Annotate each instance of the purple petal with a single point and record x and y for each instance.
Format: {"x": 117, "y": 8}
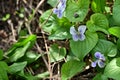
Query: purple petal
{"x": 101, "y": 64}
{"x": 73, "y": 31}
{"x": 97, "y": 55}
{"x": 59, "y": 15}
{"x": 82, "y": 29}
{"x": 102, "y": 57}
{"x": 81, "y": 37}
{"x": 75, "y": 37}
{"x": 58, "y": 12}
{"x": 63, "y": 1}
{"x": 61, "y": 7}
{"x": 55, "y": 11}
{"x": 93, "y": 64}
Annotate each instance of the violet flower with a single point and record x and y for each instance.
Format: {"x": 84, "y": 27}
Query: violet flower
{"x": 100, "y": 59}
{"x": 78, "y": 35}
{"x": 60, "y": 8}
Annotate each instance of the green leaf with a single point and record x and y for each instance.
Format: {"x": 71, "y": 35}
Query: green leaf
{"x": 52, "y": 22}
{"x": 57, "y": 53}
{"x": 79, "y": 7}
{"x": 57, "y": 28}
{"x": 112, "y": 70}
{"x": 19, "y": 52}
{"x": 116, "y": 10}
{"x": 16, "y": 67}
{"x": 98, "y": 22}
{"x": 1, "y": 54}
{"x": 115, "y": 31}
{"x": 118, "y": 62}
{"x": 30, "y": 57}
{"x": 98, "y": 6}
{"x": 106, "y": 48}
{"x": 22, "y": 43}
{"x": 81, "y": 48}
{"x": 70, "y": 68}
{"x": 100, "y": 76}
{"x": 118, "y": 43}
{"x": 3, "y": 71}
{"x": 43, "y": 75}
{"x": 53, "y": 3}
{"x": 60, "y": 34}
{"x": 6, "y": 17}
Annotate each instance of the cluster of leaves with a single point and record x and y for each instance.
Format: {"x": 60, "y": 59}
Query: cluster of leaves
{"x": 14, "y": 61}
{"x": 102, "y": 35}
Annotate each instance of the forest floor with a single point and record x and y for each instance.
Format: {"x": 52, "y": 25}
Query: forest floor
{"x": 18, "y": 13}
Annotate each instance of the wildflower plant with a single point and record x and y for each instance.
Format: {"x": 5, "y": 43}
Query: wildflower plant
{"x": 92, "y": 29}
{"x": 78, "y": 35}
{"x": 100, "y": 59}
{"x": 84, "y": 32}
{"x": 59, "y": 10}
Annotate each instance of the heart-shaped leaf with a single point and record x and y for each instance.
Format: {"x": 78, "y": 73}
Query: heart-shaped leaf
{"x": 98, "y": 22}
{"x": 70, "y": 68}
{"x": 57, "y": 53}
{"x": 112, "y": 70}
{"x": 79, "y": 7}
{"x": 81, "y": 48}
{"x": 106, "y": 48}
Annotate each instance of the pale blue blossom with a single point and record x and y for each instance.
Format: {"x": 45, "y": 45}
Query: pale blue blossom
{"x": 100, "y": 59}
{"x": 79, "y": 34}
{"x": 60, "y": 8}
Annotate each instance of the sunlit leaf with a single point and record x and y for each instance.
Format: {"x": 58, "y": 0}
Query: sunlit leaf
{"x": 115, "y": 31}
{"x": 43, "y": 75}
{"x": 98, "y": 5}
{"x": 98, "y": 22}
{"x": 30, "y": 57}
{"x": 19, "y": 52}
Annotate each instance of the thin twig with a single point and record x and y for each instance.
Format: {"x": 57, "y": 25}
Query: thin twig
{"x": 12, "y": 29}
{"x": 40, "y": 51}
{"x": 49, "y": 62}
{"x": 36, "y": 9}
